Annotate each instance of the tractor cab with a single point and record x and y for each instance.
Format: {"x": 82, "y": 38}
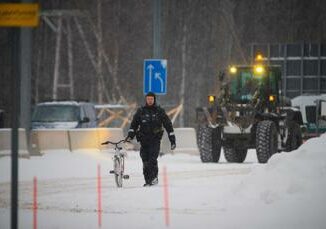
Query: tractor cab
{"x": 254, "y": 84}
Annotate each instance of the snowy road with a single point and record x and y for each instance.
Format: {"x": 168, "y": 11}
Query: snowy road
{"x": 282, "y": 194}
{"x": 54, "y": 188}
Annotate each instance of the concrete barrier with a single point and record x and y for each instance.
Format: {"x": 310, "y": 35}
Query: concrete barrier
{"x": 92, "y": 138}
{"x": 83, "y": 139}
{"x": 186, "y": 142}
{"x": 49, "y": 139}
{"x": 5, "y": 142}
{"x": 88, "y": 138}
{"x": 109, "y": 134}
{"x": 73, "y": 139}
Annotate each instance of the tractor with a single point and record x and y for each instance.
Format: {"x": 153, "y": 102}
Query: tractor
{"x": 248, "y": 113}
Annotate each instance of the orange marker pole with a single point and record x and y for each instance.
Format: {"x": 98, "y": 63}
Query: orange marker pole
{"x": 166, "y": 197}
{"x": 35, "y": 203}
{"x": 99, "y": 196}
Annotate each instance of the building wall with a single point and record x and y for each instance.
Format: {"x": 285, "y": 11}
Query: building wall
{"x": 303, "y": 66}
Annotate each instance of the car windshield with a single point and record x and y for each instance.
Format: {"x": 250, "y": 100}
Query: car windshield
{"x": 56, "y": 113}
{"x": 244, "y": 86}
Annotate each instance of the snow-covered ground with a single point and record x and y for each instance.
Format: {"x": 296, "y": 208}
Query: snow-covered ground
{"x": 288, "y": 192}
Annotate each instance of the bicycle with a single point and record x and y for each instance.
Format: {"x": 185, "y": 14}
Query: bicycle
{"x": 118, "y": 162}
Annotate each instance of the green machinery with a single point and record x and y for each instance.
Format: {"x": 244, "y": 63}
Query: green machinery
{"x": 248, "y": 113}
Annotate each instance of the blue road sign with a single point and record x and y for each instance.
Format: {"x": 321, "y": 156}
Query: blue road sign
{"x": 155, "y": 76}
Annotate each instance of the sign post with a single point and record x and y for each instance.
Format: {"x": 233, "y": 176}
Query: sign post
{"x": 18, "y": 15}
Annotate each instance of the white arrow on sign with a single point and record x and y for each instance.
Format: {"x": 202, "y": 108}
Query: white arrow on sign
{"x": 158, "y": 77}
{"x": 150, "y": 68}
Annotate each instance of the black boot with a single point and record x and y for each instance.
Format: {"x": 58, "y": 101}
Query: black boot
{"x": 147, "y": 174}
{"x": 154, "y": 181}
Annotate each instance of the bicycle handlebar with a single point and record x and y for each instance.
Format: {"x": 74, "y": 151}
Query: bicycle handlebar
{"x": 114, "y": 143}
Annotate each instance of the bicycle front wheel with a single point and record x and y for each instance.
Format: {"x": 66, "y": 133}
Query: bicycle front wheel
{"x": 118, "y": 171}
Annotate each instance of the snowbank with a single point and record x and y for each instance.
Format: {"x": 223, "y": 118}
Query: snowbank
{"x": 290, "y": 189}
{"x": 300, "y": 171}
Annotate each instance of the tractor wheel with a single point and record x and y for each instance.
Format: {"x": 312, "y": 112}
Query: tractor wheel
{"x": 266, "y": 140}
{"x": 294, "y": 139}
{"x": 234, "y": 155}
{"x": 209, "y": 143}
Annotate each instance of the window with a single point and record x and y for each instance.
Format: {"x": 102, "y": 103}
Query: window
{"x": 293, "y": 68}
{"x": 310, "y": 84}
{"x": 311, "y": 114}
{"x": 310, "y": 67}
{"x": 310, "y": 50}
{"x": 89, "y": 110}
{"x": 56, "y": 113}
{"x": 293, "y": 84}
{"x": 244, "y": 85}
{"x": 293, "y": 50}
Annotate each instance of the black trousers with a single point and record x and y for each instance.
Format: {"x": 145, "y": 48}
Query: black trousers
{"x": 149, "y": 152}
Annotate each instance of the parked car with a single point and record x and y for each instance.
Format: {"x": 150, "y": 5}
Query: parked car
{"x": 64, "y": 115}
{"x": 312, "y": 115}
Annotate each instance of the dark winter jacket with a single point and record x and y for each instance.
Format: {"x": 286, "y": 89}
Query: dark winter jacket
{"x": 148, "y": 123}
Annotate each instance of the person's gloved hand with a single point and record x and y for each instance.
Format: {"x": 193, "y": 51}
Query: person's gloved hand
{"x": 128, "y": 139}
{"x": 172, "y": 140}
{"x": 130, "y": 136}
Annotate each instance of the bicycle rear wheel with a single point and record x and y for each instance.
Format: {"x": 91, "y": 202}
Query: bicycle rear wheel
{"x": 118, "y": 171}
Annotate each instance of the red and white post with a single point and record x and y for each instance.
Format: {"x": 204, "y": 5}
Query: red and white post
{"x": 166, "y": 197}
{"x": 99, "y": 196}
{"x": 35, "y": 203}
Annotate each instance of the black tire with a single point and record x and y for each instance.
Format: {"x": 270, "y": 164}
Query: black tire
{"x": 294, "y": 139}
{"x": 209, "y": 143}
{"x": 266, "y": 140}
{"x": 234, "y": 155}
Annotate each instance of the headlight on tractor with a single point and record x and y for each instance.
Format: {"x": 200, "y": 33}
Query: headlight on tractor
{"x": 259, "y": 57}
{"x": 259, "y": 69}
{"x": 211, "y": 98}
{"x": 271, "y": 98}
{"x": 233, "y": 70}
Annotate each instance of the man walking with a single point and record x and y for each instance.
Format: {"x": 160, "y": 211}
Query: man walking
{"x": 147, "y": 125}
